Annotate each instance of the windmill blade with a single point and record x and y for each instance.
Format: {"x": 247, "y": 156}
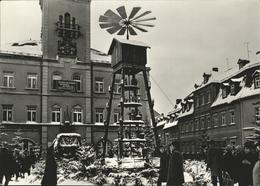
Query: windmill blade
{"x": 112, "y": 15}
{"x": 147, "y": 19}
{"x": 122, "y": 12}
{"x": 114, "y": 29}
{"x": 134, "y": 12}
{"x": 107, "y": 19}
{"x": 107, "y": 25}
{"x": 139, "y": 28}
{"x": 131, "y": 31}
{"x": 143, "y": 14}
{"x": 122, "y": 31}
{"x": 141, "y": 24}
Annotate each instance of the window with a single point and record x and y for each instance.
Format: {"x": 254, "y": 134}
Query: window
{"x": 77, "y": 79}
{"x": 99, "y": 85}
{"x": 257, "y": 114}
{"x": 8, "y": 80}
{"x": 223, "y": 118}
{"x": 215, "y": 120}
{"x": 7, "y": 112}
{"x": 197, "y": 124}
{"x": 32, "y": 81}
{"x": 209, "y": 97}
{"x": 232, "y": 89}
{"x": 197, "y": 101}
{"x": 55, "y": 79}
{"x": 99, "y": 116}
{"x": 56, "y": 114}
{"x": 202, "y": 124}
{"x": 116, "y": 117}
{"x": 257, "y": 81}
{"x": 31, "y": 113}
{"x": 77, "y": 114}
{"x": 232, "y": 117}
{"x": 202, "y": 99}
{"x": 224, "y": 92}
{"x": 209, "y": 121}
{"x": 117, "y": 86}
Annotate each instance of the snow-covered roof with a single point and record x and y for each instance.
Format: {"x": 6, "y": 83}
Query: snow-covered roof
{"x": 34, "y": 48}
{"x": 186, "y": 113}
{"x": 68, "y": 134}
{"x": 161, "y": 123}
{"x": 125, "y": 41}
{"x": 170, "y": 124}
{"x": 237, "y": 79}
{"x": 243, "y": 93}
{"x": 176, "y": 109}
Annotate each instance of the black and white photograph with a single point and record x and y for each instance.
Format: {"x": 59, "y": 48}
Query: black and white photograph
{"x": 130, "y": 92}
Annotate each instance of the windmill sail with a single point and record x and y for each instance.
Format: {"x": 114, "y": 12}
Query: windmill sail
{"x": 120, "y": 23}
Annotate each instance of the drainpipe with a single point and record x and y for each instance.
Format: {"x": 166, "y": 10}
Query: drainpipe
{"x": 91, "y": 101}
{"x": 241, "y": 121}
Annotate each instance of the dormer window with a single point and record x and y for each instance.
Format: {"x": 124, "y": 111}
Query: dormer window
{"x": 257, "y": 80}
{"x": 232, "y": 89}
{"x": 224, "y": 92}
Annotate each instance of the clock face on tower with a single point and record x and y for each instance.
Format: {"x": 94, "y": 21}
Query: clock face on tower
{"x": 68, "y": 31}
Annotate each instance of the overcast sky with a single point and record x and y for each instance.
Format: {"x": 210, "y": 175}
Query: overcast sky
{"x": 189, "y": 37}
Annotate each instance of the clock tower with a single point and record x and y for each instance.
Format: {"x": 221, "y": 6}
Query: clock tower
{"x": 66, "y": 29}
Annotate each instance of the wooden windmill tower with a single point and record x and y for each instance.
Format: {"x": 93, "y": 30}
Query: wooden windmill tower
{"x": 128, "y": 59}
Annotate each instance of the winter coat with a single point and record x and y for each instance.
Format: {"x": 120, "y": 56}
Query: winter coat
{"x": 229, "y": 164}
{"x": 50, "y": 172}
{"x": 256, "y": 174}
{"x": 175, "y": 169}
{"x": 6, "y": 161}
{"x": 245, "y": 170}
{"x": 214, "y": 160}
{"x": 163, "y": 171}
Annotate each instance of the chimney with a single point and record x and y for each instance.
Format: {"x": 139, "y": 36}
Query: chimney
{"x": 242, "y": 62}
{"x": 196, "y": 86}
{"x": 178, "y": 101}
{"x": 206, "y": 77}
{"x": 215, "y": 69}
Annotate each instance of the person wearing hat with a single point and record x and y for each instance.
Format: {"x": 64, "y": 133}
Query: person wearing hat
{"x": 175, "y": 175}
{"x": 256, "y": 169}
{"x": 247, "y": 161}
{"x": 164, "y": 161}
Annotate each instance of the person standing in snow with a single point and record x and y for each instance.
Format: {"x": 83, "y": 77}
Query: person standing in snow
{"x": 214, "y": 163}
{"x": 50, "y": 172}
{"x": 256, "y": 169}
{"x": 247, "y": 161}
{"x": 164, "y": 161}
{"x": 5, "y": 164}
{"x": 175, "y": 176}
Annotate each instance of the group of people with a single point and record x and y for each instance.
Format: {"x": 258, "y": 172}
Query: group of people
{"x": 228, "y": 165}
{"x": 232, "y": 164}
{"x": 171, "y": 165}
{"x": 15, "y": 163}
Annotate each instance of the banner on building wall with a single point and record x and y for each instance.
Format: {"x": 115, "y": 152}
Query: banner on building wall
{"x": 66, "y": 85}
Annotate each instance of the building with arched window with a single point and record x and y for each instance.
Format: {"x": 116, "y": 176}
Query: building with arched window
{"x": 45, "y": 84}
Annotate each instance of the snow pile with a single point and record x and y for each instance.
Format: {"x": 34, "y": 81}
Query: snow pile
{"x": 195, "y": 173}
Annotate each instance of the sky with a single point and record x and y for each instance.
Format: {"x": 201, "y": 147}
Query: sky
{"x": 190, "y": 37}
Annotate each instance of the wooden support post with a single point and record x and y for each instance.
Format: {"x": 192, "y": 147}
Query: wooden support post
{"x": 122, "y": 114}
{"x": 106, "y": 123}
{"x": 151, "y": 108}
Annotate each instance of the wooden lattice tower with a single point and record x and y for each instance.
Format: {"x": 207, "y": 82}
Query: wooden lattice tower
{"x": 128, "y": 59}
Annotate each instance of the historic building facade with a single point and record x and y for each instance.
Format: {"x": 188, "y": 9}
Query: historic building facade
{"x": 60, "y": 80}
{"x": 224, "y": 107}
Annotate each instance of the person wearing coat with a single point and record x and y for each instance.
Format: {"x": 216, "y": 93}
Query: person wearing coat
{"x": 256, "y": 170}
{"x": 214, "y": 163}
{"x": 50, "y": 172}
{"x": 175, "y": 176}
{"x": 247, "y": 161}
{"x": 6, "y": 161}
{"x": 164, "y": 161}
